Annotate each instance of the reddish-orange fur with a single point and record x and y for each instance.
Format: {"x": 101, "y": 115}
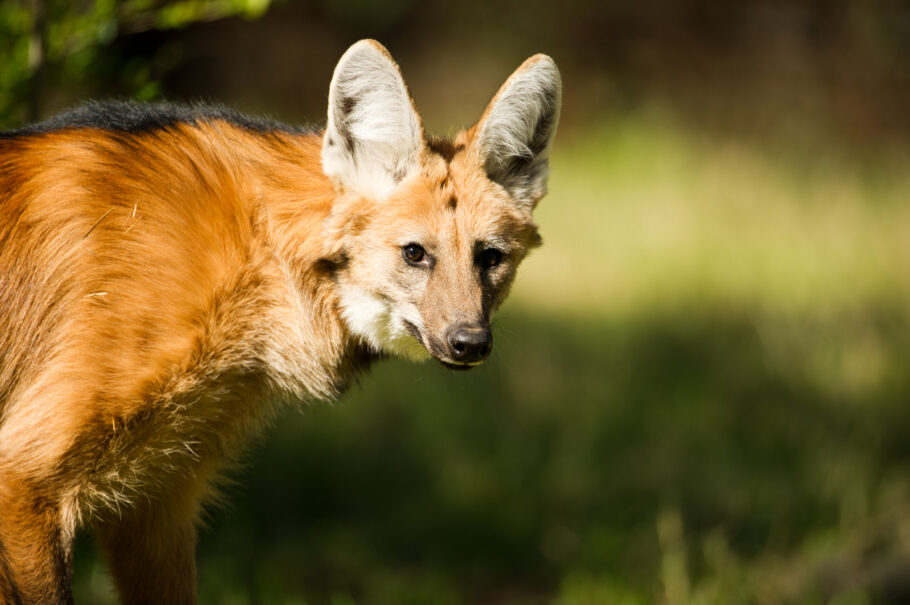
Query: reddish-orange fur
{"x": 139, "y": 284}
{"x": 163, "y": 291}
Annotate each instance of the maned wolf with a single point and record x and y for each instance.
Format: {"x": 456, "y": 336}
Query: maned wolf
{"x": 171, "y": 276}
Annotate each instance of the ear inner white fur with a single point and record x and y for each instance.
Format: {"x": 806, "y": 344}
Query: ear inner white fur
{"x": 373, "y": 137}
{"x": 518, "y": 127}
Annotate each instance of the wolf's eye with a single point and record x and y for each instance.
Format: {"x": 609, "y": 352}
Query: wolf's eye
{"x": 414, "y": 254}
{"x": 490, "y": 257}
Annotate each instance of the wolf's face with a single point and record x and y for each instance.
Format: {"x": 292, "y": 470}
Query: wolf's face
{"x": 429, "y": 233}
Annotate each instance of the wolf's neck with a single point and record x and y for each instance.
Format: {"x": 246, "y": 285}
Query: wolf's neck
{"x": 311, "y": 352}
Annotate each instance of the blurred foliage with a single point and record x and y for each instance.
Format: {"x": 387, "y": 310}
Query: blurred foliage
{"x": 66, "y": 42}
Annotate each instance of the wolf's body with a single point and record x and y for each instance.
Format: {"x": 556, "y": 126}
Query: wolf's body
{"x": 170, "y": 276}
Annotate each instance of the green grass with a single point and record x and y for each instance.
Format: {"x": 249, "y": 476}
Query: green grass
{"x": 699, "y": 394}
{"x": 643, "y": 213}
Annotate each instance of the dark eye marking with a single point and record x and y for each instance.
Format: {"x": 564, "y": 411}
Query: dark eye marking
{"x": 414, "y": 254}
{"x": 489, "y": 258}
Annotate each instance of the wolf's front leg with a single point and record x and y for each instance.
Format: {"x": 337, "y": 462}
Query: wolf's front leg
{"x": 35, "y": 550}
{"x": 151, "y": 551}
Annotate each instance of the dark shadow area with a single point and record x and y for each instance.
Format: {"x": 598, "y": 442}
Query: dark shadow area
{"x": 560, "y": 456}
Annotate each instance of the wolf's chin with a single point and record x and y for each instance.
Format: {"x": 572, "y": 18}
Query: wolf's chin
{"x": 459, "y": 367}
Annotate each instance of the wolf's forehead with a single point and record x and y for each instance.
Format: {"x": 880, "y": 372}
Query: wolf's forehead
{"x": 453, "y": 200}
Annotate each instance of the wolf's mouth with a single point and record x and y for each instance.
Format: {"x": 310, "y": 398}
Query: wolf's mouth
{"x": 434, "y": 351}
{"x": 413, "y": 331}
{"x": 459, "y": 367}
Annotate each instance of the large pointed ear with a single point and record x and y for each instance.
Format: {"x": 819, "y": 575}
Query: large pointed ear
{"x": 374, "y": 137}
{"x": 514, "y": 134}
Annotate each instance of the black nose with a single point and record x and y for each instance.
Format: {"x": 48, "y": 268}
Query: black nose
{"x": 469, "y": 343}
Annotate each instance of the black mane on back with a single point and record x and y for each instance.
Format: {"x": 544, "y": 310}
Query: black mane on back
{"x": 132, "y": 116}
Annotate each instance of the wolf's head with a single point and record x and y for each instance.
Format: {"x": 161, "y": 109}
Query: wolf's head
{"x": 428, "y": 232}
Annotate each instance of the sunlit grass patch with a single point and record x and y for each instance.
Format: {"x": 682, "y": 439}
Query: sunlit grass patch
{"x": 643, "y": 213}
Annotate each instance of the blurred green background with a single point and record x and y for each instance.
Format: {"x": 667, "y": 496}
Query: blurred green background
{"x": 699, "y": 392}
